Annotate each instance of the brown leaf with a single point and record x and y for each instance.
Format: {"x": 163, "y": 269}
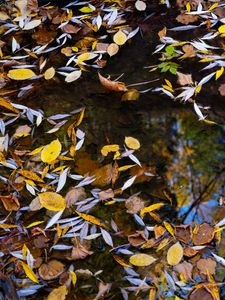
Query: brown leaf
{"x": 204, "y": 235}
{"x": 131, "y": 95}
{"x": 69, "y": 28}
{"x": 44, "y": 36}
{"x": 183, "y": 233}
{"x": 189, "y": 252}
{"x": 201, "y": 294}
{"x": 162, "y": 32}
{"x": 189, "y": 51}
{"x": 103, "y": 288}
{"x": 75, "y": 195}
{"x": 51, "y": 270}
{"x": 186, "y": 19}
{"x": 103, "y": 175}
{"x": 22, "y": 130}
{"x": 80, "y": 252}
{"x": 10, "y": 202}
{"x": 159, "y": 231}
{"x": 137, "y": 239}
{"x": 134, "y": 204}
{"x": 185, "y": 269}
{"x": 184, "y": 79}
{"x": 112, "y": 85}
{"x": 207, "y": 266}
{"x": 105, "y": 195}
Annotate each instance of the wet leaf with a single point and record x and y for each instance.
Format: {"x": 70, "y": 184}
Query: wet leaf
{"x": 51, "y": 270}
{"x": 6, "y": 104}
{"x": 183, "y": 233}
{"x": 204, "y": 234}
{"x": 112, "y": 49}
{"x": 109, "y": 148}
{"x": 207, "y": 266}
{"x": 175, "y": 254}
{"x": 52, "y": 201}
{"x": 142, "y": 260}
{"x": 185, "y": 269}
{"x": 29, "y": 272}
{"x": 49, "y": 73}
{"x": 151, "y": 208}
{"x": 137, "y": 238}
{"x": 73, "y": 76}
{"x": 131, "y": 95}
{"x": 75, "y": 195}
{"x": 20, "y": 74}
{"x": 51, "y": 151}
{"x": 112, "y": 85}
{"x": 120, "y": 38}
{"x": 58, "y": 293}
{"x": 91, "y": 219}
{"x": 10, "y": 202}
{"x": 140, "y": 5}
{"x": 200, "y": 294}
{"x": 132, "y": 143}
{"x": 134, "y": 204}
{"x": 80, "y": 252}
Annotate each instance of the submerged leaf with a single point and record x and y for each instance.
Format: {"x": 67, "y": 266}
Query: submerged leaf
{"x": 58, "y": 293}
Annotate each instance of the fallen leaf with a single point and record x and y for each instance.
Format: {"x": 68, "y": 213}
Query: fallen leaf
{"x": 112, "y": 85}
{"x": 175, "y": 254}
{"x": 75, "y": 195}
{"x": 49, "y": 73}
{"x": 112, "y": 49}
{"x": 51, "y": 151}
{"x": 52, "y": 201}
{"x": 132, "y": 143}
{"x": 105, "y": 195}
{"x": 20, "y": 74}
{"x": 80, "y": 252}
{"x": 140, "y": 5}
{"x": 32, "y": 24}
{"x": 183, "y": 233}
{"x": 73, "y": 76}
{"x": 131, "y": 95}
{"x": 207, "y": 266}
{"x": 58, "y": 293}
{"x": 29, "y": 272}
{"x": 204, "y": 234}
{"x": 185, "y": 269}
{"x": 137, "y": 239}
{"x": 109, "y": 148}
{"x": 6, "y": 104}
{"x": 134, "y": 204}
{"x": 222, "y": 89}
{"x": 184, "y": 79}
{"x": 151, "y": 208}
{"x": 103, "y": 175}
{"x": 51, "y": 270}
{"x": 201, "y": 294}
{"x": 141, "y": 260}
{"x": 120, "y": 38}
{"x": 10, "y": 202}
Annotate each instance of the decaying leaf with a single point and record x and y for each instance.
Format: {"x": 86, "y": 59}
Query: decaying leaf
{"x": 185, "y": 269}
{"x": 184, "y": 79}
{"x": 10, "y": 202}
{"x": 75, "y": 195}
{"x": 103, "y": 175}
{"x": 183, "y": 233}
{"x": 134, "y": 204}
{"x": 51, "y": 270}
{"x": 131, "y": 95}
{"x": 137, "y": 239}
{"x": 80, "y": 252}
{"x": 200, "y": 294}
{"x": 112, "y": 85}
{"x": 175, "y": 254}
{"x": 142, "y": 260}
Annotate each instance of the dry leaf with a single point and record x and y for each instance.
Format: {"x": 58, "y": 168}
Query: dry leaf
{"x": 137, "y": 239}
{"x": 185, "y": 269}
{"x": 183, "y": 233}
{"x": 112, "y": 49}
{"x": 141, "y": 260}
{"x": 175, "y": 254}
{"x": 112, "y": 85}
{"x": 105, "y": 195}
{"x": 80, "y": 252}
{"x": 51, "y": 270}
{"x": 201, "y": 294}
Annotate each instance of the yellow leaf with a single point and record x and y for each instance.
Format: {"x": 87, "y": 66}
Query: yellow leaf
{"x": 221, "y": 29}
{"x": 151, "y": 208}
{"x": 175, "y": 254}
{"x": 219, "y": 73}
{"x": 198, "y": 89}
{"x": 49, "y": 73}
{"x": 169, "y": 228}
{"x": 36, "y": 151}
{"x": 112, "y": 49}
{"x": 162, "y": 245}
{"x": 121, "y": 261}
{"x": 120, "y": 38}
{"x": 83, "y": 57}
{"x": 86, "y": 9}
{"x": 124, "y": 168}
{"x": 4, "y": 226}
{"x": 34, "y": 224}
{"x": 51, "y": 151}
{"x": 188, "y": 7}
{"x": 91, "y": 219}
{"x": 5, "y": 103}
{"x": 213, "y": 6}
{"x": 29, "y": 272}
{"x": 142, "y": 260}
{"x": 30, "y": 175}
{"x": 52, "y": 201}
{"x": 58, "y": 294}
{"x": 132, "y": 143}
{"x": 20, "y": 74}
{"x": 74, "y": 277}
{"x": 109, "y": 148}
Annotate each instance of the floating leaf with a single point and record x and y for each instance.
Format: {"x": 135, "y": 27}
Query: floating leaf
{"x": 6, "y": 104}
{"x": 49, "y": 73}
{"x": 151, "y": 208}
{"x": 140, "y": 5}
{"x": 91, "y": 219}
{"x": 30, "y": 175}
{"x": 29, "y": 272}
{"x": 112, "y": 85}
{"x": 132, "y": 143}
{"x": 20, "y": 74}
{"x": 175, "y": 254}
{"x": 51, "y": 151}
{"x": 204, "y": 234}
{"x": 221, "y": 29}
{"x": 112, "y": 49}
{"x": 32, "y": 24}
{"x": 120, "y": 38}
{"x": 52, "y": 201}
{"x": 109, "y": 148}
{"x": 73, "y": 76}
{"x": 142, "y": 260}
